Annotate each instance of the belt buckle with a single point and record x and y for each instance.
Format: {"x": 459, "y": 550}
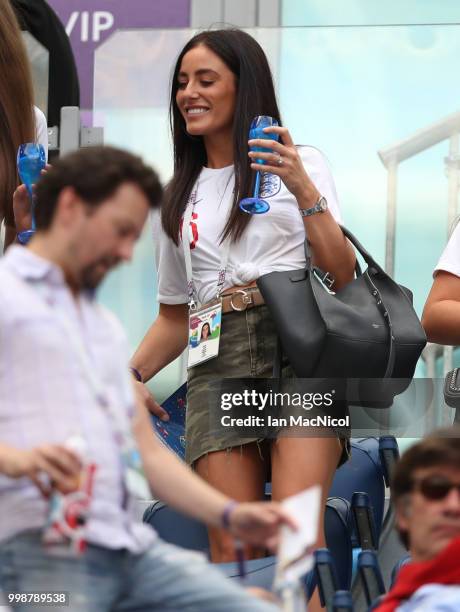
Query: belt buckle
{"x": 245, "y": 298}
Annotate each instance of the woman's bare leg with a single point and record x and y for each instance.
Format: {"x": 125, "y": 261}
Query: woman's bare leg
{"x": 240, "y": 473}
{"x": 299, "y": 463}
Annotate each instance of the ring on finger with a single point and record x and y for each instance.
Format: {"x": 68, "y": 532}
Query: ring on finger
{"x": 280, "y": 161}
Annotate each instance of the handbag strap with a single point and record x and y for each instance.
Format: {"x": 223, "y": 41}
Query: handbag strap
{"x": 358, "y": 246}
{"x": 386, "y": 316}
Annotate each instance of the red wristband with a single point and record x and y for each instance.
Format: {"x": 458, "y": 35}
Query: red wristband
{"x": 228, "y": 509}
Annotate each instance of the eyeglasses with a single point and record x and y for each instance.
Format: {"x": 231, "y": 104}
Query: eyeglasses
{"x": 435, "y": 487}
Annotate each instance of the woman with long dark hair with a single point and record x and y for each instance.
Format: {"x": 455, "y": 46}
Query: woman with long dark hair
{"x": 221, "y": 81}
{"x": 20, "y": 121}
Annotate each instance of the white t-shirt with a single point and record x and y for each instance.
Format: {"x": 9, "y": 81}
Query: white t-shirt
{"x": 41, "y": 129}
{"x": 272, "y": 242}
{"x": 450, "y": 259}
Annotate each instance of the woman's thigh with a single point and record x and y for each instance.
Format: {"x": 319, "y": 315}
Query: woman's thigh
{"x": 239, "y": 472}
{"x": 299, "y": 463}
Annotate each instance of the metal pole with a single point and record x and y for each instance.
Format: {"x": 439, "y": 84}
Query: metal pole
{"x": 429, "y": 355}
{"x": 70, "y": 129}
{"x": 452, "y": 163}
{"x": 392, "y": 182}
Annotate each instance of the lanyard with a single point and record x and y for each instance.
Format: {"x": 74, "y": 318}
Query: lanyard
{"x": 120, "y": 423}
{"x": 224, "y": 255}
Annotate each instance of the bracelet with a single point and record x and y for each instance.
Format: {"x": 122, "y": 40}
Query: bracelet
{"x": 137, "y": 375}
{"x": 228, "y": 509}
{"x": 21, "y": 240}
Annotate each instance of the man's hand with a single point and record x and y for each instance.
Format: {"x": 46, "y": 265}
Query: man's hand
{"x": 259, "y": 523}
{"x": 149, "y": 401}
{"x": 61, "y": 465}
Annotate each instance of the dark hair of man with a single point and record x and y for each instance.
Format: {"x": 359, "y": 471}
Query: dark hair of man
{"x": 255, "y": 95}
{"x": 17, "y": 119}
{"x": 95, "y": 174}
{"x": 440, "y": 449}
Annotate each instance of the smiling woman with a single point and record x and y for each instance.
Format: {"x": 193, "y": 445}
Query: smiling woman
{"x": 206, "y": 98}
{"x": 208, "y": 246}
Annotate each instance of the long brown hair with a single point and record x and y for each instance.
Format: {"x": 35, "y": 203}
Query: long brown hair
{"x": 17, "y": 119}
{"x": 255, "y": 96}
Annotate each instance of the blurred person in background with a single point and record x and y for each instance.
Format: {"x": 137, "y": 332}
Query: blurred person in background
{"x": 426, "y": 494}
{"x": 64, "y": 375}
{"x": 20, "y": 120}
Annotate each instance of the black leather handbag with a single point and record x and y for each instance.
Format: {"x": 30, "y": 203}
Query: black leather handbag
{"x": 452, "y": 388}
{"x": 366, "y": 330}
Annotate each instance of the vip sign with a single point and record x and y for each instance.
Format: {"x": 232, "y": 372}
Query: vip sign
{"x": 90, "y": 24}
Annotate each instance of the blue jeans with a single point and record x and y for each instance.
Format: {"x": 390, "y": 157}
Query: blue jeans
{"x": 165, "y": 578}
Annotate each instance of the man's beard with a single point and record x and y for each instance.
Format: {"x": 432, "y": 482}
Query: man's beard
{"x": 94, "y": 274}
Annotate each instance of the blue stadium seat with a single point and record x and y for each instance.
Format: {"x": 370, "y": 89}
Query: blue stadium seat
{"x": 342, "y": 602}
{"x": 371, "y": 576}
{"x": 338, "y": 523}
{"x": 176, "y": 528}
{"x": 389, "y": 455}
{"x": 326, "y": 576}
{"x": 364, "y": 521}
{"x": 363, "y": 472}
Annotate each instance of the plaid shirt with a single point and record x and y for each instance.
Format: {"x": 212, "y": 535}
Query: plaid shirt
{"x": 45, "y": 397}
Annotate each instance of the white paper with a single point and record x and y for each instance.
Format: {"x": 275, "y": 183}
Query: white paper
{"x": 295, "y": 554}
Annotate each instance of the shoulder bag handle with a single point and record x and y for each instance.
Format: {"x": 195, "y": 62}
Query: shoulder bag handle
{"x": 375, "y": 268}
{"x": 358, "y": 246}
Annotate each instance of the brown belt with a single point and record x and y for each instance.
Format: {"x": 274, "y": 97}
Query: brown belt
{"x": 241, "y": 299}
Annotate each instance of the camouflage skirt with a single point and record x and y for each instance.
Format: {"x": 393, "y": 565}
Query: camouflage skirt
{"x": 247, "y": 348}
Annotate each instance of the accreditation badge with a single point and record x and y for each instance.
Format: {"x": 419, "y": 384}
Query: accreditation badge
{"x": 204, "y": 333}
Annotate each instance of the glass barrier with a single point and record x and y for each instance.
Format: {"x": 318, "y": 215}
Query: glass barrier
{"x": 39, "y": 62}
{"x": 380, "y": 102}
{"x": 367, "y": 12}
